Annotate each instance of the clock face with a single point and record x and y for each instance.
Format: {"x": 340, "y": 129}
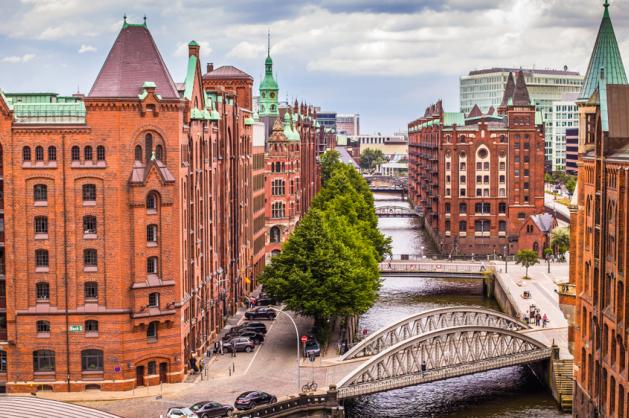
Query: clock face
{"x": 263, "y": 94}
{"x": 272, "y": 95}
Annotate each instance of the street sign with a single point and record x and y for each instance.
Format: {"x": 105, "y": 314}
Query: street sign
{"x": 76, "y": 328}
{"x": 304, "y": 339}
{"x": 117, "y": 369}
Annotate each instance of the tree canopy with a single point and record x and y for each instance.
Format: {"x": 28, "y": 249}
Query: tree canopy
{"x": 560, "y": 239}
{"x": 371, "y": 159}
{"x": 330, "y": 161}
{"x": 526, "y": 258}
{"x": 329, "y": 265}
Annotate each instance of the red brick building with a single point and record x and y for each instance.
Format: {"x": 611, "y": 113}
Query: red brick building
{"x": 478, "y": 179}
{"x": 599, "y": 235}
{"x": 127, "y": 227}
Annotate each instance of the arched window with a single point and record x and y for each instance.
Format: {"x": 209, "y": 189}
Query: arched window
{"x": 151, "y": 331}
{"x": 44, "y": 361}
{"x": 92, "y": 360}
{"x": 463, "y": 208}
{"x": 151, "y": 201}
{"x": 39, "y": 153}
{"x": 76, "y": 153}
{"x": 277, "y": 167}
{"x": 277, "y": 210}
{"x": 26, "y": 153}
{"x": 43, "y": 326}
{"x": 277, "y": 187}
{"x": 138, "y": 153}
{"x": 40, "y": 193}
{"x": 521, "y": 216}
{"x": 90, "y": 290}
{"x": 153, "y": 300}
{"x": 275, "y": 235}
{"x": 52, "y": 153}
{"x": 90, "y": 257}
{"x": 148, "y": 146}
{"x": 159, "y": 153}
{"x": 151, "y": 233}
{"x": 41, "y": 225}
{"x": 89, "y": 192}
{"x": 535, "y": 246}
{"x": 89, "y": 225}
{"x": 100, "y": 153}
{"x": 152, "y": 265}
{"x": 91, "y": 325}
{"x": 87, "y": 153}
{"x": 41, "y": 259}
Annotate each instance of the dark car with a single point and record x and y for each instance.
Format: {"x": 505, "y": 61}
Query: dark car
{"x": 312, "y": 348}
{"x": 258, "y": 327}
{"x": 265, "y": 301}
{"x": 259, "y": 313}
{"x": 239, "y": 344}
{"x": 250, "y": 400}
{"x": 208, "y": 409}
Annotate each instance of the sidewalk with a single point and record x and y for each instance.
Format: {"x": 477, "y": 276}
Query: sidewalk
{"x": 542, "y": 287}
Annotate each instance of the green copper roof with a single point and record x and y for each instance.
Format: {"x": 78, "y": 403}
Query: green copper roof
{"x": 53, "y": 113}
{"x": 249, "y": 121}
{"x": 605, "y": 55}
{"x": 189, "y": 83}
{"x": 451, "y": 118}
{"x": 193, "y": 43}
{"x": 290, "y": 133}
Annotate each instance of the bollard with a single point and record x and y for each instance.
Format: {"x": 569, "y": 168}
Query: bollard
{"x": 229, "y": 369}
{"x": 234, "y": 367}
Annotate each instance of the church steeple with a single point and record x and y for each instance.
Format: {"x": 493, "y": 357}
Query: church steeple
{"x": 606, "y": 56}
{"x": 268, "y": 104}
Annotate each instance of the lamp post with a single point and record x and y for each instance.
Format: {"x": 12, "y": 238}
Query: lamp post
{"x": 298, "y": 344}
{"x": 506, "y": 249}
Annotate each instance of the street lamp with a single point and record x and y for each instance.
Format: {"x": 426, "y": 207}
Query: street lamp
{"x": 298, "y": 344}
{"x": 506, "y": 249}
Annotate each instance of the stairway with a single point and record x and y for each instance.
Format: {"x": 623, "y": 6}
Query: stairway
{"x": 563, "y": 383}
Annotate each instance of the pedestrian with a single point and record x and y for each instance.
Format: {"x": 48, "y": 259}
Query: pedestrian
{"x": 526, "y": 318}
{"x": 191, "y": 363}
{"x": 545, "y": 319}
{"x": 538, "y": 319}
{"x": 247, "y": 303}
{"x": 233, "y": 348}
{"x": 423, "y": 366}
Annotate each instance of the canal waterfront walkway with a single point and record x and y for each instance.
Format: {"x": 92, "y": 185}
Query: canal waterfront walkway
{"x": 542, "y": 287}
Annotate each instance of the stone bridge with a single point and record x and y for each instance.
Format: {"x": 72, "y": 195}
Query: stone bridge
{"x": 434, "y": 268}
{"x": 395, "y": 212}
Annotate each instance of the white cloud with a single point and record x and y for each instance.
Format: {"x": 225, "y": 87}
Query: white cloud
{"x": 247, "y": 50}
{"x": 16, "y": 59}
{"x": 86, "y": 48}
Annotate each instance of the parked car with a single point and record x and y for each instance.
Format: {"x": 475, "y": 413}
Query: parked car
{"x": 265, "y": 301}
{"x": 312, "y": 348}
{"x": 240, "y": 344}
{"x": 260, "y": 312}
{"x": 256, "y": 337}
{"x": 250, "y": 400}
{"x": 210, "y": 409}
{"x": 179, "y": 412}
{"x": 256, "y": 326}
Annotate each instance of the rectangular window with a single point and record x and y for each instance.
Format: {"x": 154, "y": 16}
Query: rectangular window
{"x": 91, "y": 290}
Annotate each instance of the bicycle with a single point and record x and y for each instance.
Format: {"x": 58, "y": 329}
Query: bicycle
{"x": 310, "y": 387}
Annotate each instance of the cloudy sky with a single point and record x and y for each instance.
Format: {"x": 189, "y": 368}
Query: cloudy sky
{"x": 384, "y": 59}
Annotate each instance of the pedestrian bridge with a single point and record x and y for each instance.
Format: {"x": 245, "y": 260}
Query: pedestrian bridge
{"x": 395, "y": 212}
{"x": 434, "y": 268}
{"x": 442, "y": 354}
{"x": 428, "y": 321}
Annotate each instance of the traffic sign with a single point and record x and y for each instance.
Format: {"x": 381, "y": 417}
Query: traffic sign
{"x": 76, "y": 328}
{"x": 304, "y": 339}
{"x": 117, "y": 369}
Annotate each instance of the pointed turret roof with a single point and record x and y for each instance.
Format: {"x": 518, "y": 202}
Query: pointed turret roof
{"x": 509, "y": 89}
{"x": 521, "y": 92}
{"x": 604, "y": 55}
{"x": 132, "y": 60}
{"x": 475, "y": 112}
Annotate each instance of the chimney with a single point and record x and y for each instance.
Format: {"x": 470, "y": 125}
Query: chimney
{"x": 210, "y": 67}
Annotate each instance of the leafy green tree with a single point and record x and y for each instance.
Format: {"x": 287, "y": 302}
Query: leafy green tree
{"x": 330, "y": 161}
{"x": 560, "y": 239}
{"x": 571, "y": 184}
{"x": 526, "y": 258}
{"x": 371, "y": 159}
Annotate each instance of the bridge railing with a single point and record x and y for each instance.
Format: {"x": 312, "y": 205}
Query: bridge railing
{"x": 445, "y": 267}
{"x": 302, "y": 403}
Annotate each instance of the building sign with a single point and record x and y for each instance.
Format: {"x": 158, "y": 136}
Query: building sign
{"x": 76, "y": 328}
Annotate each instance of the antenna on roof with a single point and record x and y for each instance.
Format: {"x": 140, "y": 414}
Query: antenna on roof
{"x": 268, "y": 40}
{"x": 124, "y": 18}
{"x": 144, "y": 20}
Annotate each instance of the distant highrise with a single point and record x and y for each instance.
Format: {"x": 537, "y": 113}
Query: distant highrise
{"x": 564, "y": 115}
{"x": 485, "y": 88}
{"x": 348, "y": 124}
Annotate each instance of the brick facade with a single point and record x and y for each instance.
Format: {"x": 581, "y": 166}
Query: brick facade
{"x": 478, "y": 179}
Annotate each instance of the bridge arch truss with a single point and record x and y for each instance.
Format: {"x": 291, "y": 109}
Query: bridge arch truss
{"x": 429, "y": 321}
{"x": 446, "y": 353}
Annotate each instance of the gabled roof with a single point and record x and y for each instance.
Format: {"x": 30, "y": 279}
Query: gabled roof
{"x": 509, "y": 89}
{"x": 227, "y": 71}
{"x": 475, "y": 112}
{"x": 545, "y": 222}
{"x": 132, "y": 60}
{"x": 604, "y": 55}
{"x": 521, "y": 93}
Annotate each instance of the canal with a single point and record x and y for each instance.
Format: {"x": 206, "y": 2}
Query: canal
{"x": 510, "y": 392}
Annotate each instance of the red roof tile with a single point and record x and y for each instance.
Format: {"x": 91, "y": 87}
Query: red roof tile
{"x": 132, "y": 60}
{"x": 227, "y": 71}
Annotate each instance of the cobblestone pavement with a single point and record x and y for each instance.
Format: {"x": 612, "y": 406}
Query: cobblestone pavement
{"x": 271, "y": 367}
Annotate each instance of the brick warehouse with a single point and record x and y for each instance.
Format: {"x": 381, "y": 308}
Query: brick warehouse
{"x": 478, "y": 179}
{"x": 134, "y": 236}
{"x": 598, "y": 263}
